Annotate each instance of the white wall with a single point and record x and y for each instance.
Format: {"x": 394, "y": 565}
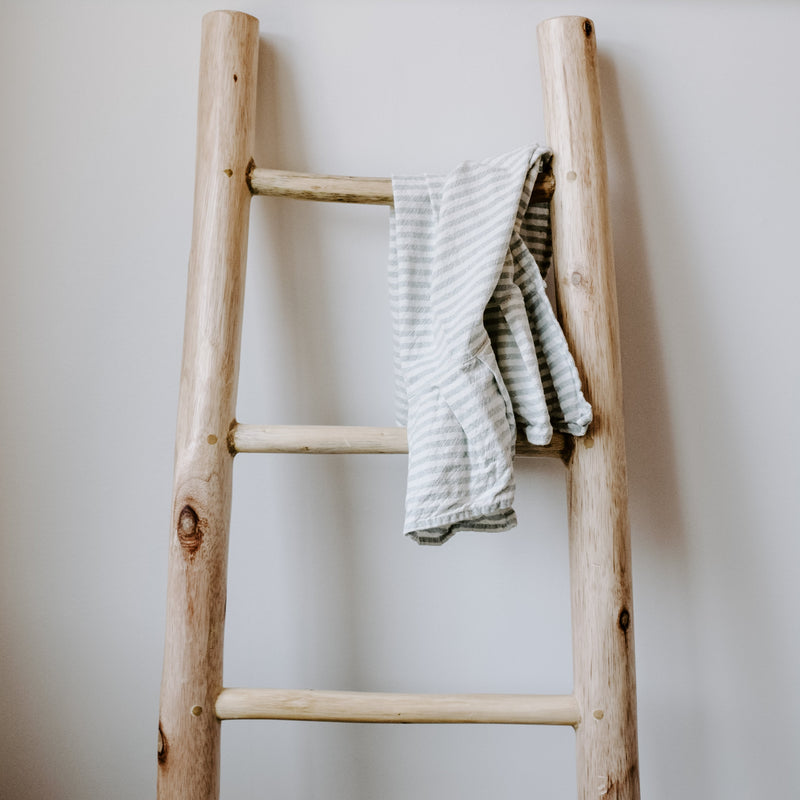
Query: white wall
{"x": 96, "y": 168}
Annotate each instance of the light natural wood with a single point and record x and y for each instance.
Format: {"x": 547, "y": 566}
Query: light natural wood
{"x": 189, "y": 731}
{"x": 511, "y": 709}
{"x": 346, "y": 439}
{"x": 346, "y": 189}
{"x": 603, "y": 707}
{"x": 316, "y": 439}
{"x": 600, "y": 564}
{"x": 333, "y": 188}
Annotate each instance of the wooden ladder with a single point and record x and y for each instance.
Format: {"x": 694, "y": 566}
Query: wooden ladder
{"x": 602, "y": 707}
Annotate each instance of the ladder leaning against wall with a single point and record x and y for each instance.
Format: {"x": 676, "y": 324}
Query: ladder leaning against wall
{"x": 602, "y": 707}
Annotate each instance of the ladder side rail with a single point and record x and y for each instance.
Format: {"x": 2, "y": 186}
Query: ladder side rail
{"x": 189, "y": 730}
{"x": 600, "y": 562}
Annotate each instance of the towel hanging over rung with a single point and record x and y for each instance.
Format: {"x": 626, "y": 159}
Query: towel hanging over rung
{"x": 478, "y": 350}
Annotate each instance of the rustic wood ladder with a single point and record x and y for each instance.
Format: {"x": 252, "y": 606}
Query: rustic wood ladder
{"x": 602, "y": 707}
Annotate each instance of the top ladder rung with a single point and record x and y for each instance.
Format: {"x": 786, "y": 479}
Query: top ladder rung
{"x": 347, "y": 189}
{"x": 353, "y": 439}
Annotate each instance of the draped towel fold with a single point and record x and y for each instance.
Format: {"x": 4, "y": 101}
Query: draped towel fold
{"x": 477, "y": 348}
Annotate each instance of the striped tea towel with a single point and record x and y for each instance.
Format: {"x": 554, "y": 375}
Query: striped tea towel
{"x": 477, "y": 347}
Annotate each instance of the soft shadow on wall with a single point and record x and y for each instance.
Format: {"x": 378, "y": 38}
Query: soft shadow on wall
{"x": 663, "y": 586}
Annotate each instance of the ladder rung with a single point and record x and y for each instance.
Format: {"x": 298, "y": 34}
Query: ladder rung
{"x": 346, "y": 189}
{"x": 345, "y": 439}
{"x": 333, "y": 188}
{"x": 309, "y": 704}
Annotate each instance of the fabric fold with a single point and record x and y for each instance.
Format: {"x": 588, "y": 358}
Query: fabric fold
{"x": 477, "y": 348}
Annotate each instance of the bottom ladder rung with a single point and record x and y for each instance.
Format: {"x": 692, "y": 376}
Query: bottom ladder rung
{"x": 309, "y": 704}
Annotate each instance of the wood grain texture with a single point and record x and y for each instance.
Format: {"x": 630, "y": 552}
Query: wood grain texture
{"x": 331, "y": 188}
{"x": 603, "y": 708}
{"x": 347, "y": 189}
{"x": 600, "y": 564}
{"x": 308, "y": 704}
{"x": 189, "y": 731}
{"x": 353, "y": 439}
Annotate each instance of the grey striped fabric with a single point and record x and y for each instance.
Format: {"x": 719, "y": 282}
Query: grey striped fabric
{"x": 477, "y": 348}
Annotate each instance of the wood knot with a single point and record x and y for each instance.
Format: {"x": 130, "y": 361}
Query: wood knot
{"x": 190, "y": 534}
{"x": 587, "y": 27}
{"x": 605, "y": 787}
{"x": 579, "y": 278}
{"x": 162, "y": 746}
{"x": 624, "y": 620}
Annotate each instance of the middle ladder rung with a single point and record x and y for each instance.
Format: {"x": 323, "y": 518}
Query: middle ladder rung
{"x": 325, "y": 706}
{"x": 346, "y": 439}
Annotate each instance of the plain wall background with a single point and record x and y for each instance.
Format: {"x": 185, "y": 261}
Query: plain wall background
{"x": 96, "y": 166}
